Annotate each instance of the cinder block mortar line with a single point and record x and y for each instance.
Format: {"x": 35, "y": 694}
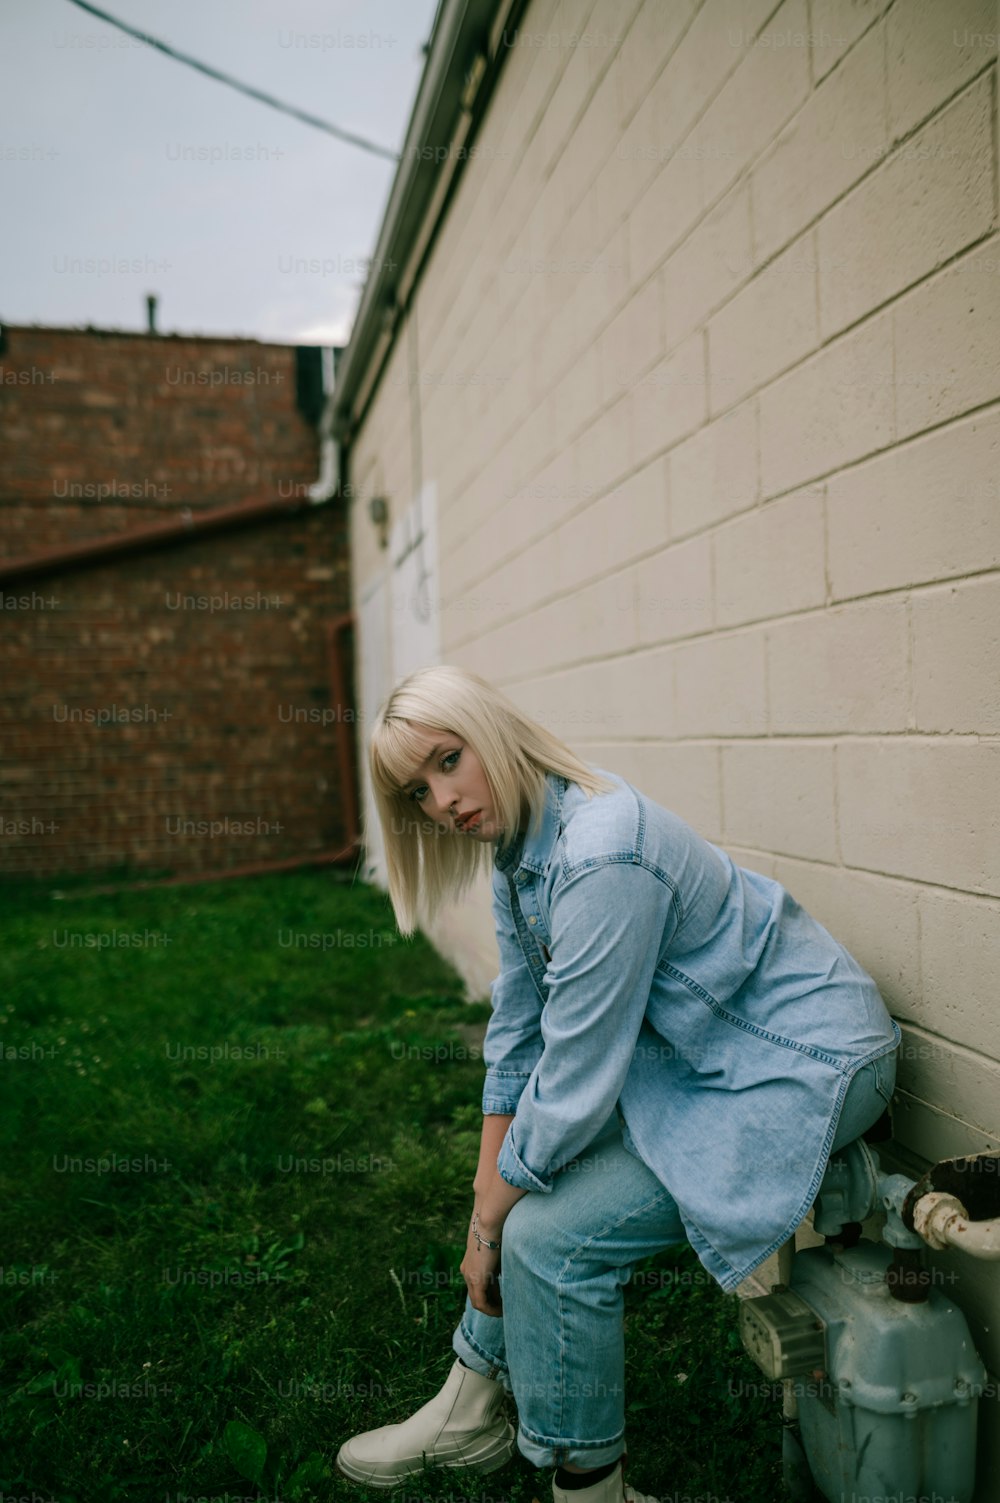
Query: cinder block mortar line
{"x": 943, "y": 270}
{"x": 906, "y": 592}
{"x": 805, "y": 230}
{"x": 617, "y": 308}
{"x": 972, "y": 1055}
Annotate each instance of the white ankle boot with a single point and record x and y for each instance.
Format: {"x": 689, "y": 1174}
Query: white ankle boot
{"x": 612, "y": 1489}
{"x": 462, "y": 1425}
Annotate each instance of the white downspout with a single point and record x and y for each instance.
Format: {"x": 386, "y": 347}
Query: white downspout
{"x": 324, "y": 487}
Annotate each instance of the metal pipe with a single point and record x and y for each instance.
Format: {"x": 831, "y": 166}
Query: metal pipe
{"x": 789, "y": 1401}
{"x": 786, "y": 1256}
{"x": 942, "y": 1221}
{"x": 139, "y": 539}
{"x": 339, "y": 698}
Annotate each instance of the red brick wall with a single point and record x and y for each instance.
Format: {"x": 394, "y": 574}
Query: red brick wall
{"x": 167, "y": 712}
{"x": 168, "y": 422}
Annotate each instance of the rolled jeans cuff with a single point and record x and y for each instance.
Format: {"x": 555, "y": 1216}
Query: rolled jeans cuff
{"x": 537, "y": 1449}
{"x": 477, "y": 1356}
{"x": 542, "y": 1452}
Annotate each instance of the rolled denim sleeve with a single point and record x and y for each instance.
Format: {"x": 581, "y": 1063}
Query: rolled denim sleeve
{"x": 609, "y": 925}
{"x": 513, "y": 1042}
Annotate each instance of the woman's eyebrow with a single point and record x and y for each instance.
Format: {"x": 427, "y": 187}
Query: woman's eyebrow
{"x": 429, "y": 757}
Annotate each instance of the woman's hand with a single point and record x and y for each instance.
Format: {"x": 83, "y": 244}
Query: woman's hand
{"x": 480, "y": 1269}
{"x": 494, "y": 1199}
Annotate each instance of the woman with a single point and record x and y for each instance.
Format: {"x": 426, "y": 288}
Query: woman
{"x": 675, "y": 1049}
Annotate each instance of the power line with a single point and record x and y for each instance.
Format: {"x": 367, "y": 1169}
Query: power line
{"x": 234, "y": 83}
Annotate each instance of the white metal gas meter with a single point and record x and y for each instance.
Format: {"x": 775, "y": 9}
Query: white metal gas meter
{"x": 881, "y": 1376}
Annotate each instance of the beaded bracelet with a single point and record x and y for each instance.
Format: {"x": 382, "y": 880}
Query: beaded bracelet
{"x": 482, "y": 1241}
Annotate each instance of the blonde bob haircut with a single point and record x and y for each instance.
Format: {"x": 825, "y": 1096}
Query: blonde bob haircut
{"x": 426, "y": 863}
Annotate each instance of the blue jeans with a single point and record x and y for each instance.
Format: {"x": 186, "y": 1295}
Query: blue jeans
{"x": 559, "y": 1346}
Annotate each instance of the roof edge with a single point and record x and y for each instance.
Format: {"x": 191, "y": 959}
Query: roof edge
{"x": 464, "y": 59}
{"x": 8, "y": 325}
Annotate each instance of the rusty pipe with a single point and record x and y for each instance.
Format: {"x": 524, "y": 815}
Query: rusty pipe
{"x": 942, "y": 1220}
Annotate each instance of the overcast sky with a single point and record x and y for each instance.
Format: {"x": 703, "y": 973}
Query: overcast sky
{"x": 241, "y": 219}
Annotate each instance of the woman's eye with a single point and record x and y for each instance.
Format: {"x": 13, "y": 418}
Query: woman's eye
{"x": 420, "y": 793}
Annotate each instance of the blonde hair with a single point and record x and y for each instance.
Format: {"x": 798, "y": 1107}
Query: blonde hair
{"x": 426, "y": 864}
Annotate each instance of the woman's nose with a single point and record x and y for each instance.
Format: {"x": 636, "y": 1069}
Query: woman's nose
{"x": 438, "y": 801}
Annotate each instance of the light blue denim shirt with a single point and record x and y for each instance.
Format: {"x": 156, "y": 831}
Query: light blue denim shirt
{"x": 643, "y": 970}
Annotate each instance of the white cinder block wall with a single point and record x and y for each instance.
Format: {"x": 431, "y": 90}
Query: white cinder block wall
{"x": 705, "y": 366}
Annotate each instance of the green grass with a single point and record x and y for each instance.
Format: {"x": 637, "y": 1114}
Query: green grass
{"x": 185, "y": 1312}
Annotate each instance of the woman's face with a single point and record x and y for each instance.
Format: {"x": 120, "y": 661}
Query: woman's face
{"x": 449, "y": 784}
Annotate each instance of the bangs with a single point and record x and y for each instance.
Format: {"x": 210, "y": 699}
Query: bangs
{"x": 396, "y": 754}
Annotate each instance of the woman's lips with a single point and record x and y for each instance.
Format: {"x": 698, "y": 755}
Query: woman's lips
{"x": 469, "y": 819}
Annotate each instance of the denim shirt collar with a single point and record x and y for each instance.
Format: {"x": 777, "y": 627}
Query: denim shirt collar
{"x": 534, "y": 852}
